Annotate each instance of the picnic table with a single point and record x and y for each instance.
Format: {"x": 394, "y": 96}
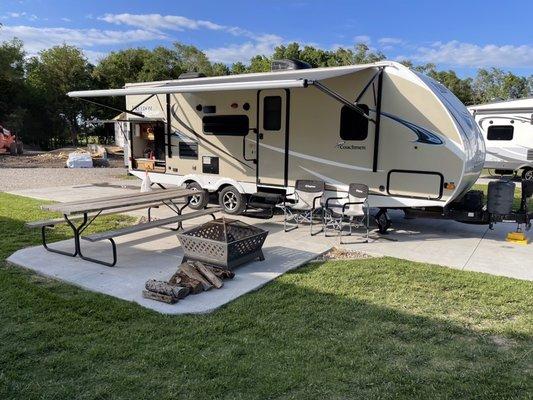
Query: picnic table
{"x": 79, "y": 215}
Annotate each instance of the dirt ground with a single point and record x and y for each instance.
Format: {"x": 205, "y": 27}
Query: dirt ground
{"x": 53, "y": 159}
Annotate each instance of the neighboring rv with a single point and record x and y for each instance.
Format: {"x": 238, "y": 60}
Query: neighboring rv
{"x": 401, "y": 133}
{"x": 507, "y": 128}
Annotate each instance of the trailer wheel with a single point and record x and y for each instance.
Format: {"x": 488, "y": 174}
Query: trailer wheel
{"x": 527, "y": 174}
{"x": 13, "y": 149}
{"x": 231, "y": 200}
{"x": 20, "y": 148}
{"x": 197, "y": 201}
{"x": 383, "y": 221}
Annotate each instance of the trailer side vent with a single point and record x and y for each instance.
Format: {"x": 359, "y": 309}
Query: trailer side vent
{"x": 188, "y": 150}
{"x": 191, "y": 75}
{"x": 289, "y": 64}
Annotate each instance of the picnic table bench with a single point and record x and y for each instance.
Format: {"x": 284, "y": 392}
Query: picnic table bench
{"x": 87, "y": 211}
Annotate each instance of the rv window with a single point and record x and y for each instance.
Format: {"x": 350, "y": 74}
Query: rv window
{"x": 188, "y": 150}
{"x": 353, "y": 125}
{"x": 500, "y": 132}
{"x": 226, "y": 125}
{"x": 272, "y": 113}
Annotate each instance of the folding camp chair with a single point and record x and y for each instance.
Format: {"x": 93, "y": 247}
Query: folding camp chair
{"x": 351, "y": 210}
{"x": 305, "y": 203}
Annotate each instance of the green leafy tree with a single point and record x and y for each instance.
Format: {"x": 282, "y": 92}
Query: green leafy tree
{"x": 121, "y": 67}
{"x": 259, "y": 63}
{"x": 495, "y": 84}
{"x": 238, "y": 68}
{"x": 160, "y": 64}
{"x": 193, "y": 60}
{"x": 12, "y": 84}
{"x": 55, "y": 72}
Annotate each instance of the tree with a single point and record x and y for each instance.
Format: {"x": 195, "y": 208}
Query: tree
{"x": 259, "y": 64}
{"x": 55, "y": 72}
{"x": 495, "y": 84}
{"x": 193, "y": 60}
{"x": 12, "y": 85}
{"x": 124, "y": 66}
{"x": 238, "y": 68}
{"x": 160, "y": 64}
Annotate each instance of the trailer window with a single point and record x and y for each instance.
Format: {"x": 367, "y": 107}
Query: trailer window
{"x": 188, "y": 150}
{"x": 353, "y": 125}
{"x": 226, "y": 125}
{"x": 500, "y": 132}
{"x": 272, "y": 113}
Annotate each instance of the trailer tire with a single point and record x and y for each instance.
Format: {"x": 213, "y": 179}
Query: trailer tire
{"x": 20, "y": 148}
{"x": 231, "y": 200}
{"x": 383, "y": 221}
{"x": 13, "y": 149}
{"x": 199, "y": 201}
{"x": 527, "y": 174}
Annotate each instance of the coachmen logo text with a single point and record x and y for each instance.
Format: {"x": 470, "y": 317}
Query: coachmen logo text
{"x": 344, "y": 146}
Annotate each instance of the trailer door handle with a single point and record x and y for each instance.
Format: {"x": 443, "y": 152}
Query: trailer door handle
{"x": 260, "y": 136}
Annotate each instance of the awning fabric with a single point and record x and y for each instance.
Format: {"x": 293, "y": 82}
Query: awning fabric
{"x": 269, "y": 80}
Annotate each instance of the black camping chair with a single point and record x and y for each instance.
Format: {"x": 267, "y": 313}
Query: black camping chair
{"x": 305, "y": 203}
{"x": 351, "y": 210}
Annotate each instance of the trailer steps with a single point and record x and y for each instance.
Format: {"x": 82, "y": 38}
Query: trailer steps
{"x": 262, "y": 204}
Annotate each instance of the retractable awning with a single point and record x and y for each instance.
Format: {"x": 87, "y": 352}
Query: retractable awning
{"x": 168, "y": 89}
{"x": 263, "y": 80}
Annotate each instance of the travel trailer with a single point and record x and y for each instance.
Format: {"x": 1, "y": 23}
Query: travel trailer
{"x": 507, "y": 128}
{"x": 401, "y": 133}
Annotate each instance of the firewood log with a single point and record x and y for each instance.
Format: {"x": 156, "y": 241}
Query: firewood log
{"x": 194, "y": 286}
{"x": 209, "y": 275}
{"x": 179, "y": 292}
{"x": 159, "y": 297}
{"x": 222, "y": 273}
{"x": 175, "y": 279}
{"x": 191, "y": 271}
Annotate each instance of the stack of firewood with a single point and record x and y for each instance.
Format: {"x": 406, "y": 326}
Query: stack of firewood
{"x": 192, "y": 277}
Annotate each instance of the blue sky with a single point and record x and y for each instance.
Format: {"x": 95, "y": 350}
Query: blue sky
{"x": 463, "y": 35}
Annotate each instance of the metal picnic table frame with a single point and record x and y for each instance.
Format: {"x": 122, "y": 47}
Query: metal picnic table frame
{"x": 118, "y": 203}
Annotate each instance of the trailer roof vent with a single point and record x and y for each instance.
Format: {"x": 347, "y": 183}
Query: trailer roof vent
{"x": 288, "y": 64}
{"x": 191, "y": 75}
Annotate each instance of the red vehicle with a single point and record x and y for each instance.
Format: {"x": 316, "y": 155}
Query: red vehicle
{"x": 9, "y": 143}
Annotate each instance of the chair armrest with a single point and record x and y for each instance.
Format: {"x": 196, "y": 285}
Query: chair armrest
{"x": 314, "y": 201}
{"x": 346, "y": 205}
{"x": 333, "y": 198}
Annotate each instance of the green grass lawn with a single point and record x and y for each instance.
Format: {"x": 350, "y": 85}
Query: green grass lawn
{"x": 372, "y": 329}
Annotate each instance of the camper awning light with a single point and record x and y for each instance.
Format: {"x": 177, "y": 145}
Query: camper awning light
{"x": 169, "y": 89}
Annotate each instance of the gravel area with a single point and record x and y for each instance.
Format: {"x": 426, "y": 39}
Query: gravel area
{"x": 31, "y": 178}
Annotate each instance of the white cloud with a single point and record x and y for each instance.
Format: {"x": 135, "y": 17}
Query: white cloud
{"x": 255, "y": 44}
{"x": 66, "y": 19}
{"x": 36, "y": 39}
{"x": 263, "y": 44}
{"x": 362, "y": 39}
{"x": 390, "y": 41}
{"x": 167, "y": 22}
{"x": 471, "y": 55}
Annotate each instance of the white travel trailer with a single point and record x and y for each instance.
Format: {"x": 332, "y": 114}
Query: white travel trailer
{"x": 401, "y": 133}
{"x": 507, "y": 128}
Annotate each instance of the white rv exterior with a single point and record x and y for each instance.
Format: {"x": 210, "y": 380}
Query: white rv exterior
{"x": 415, "y": 145}
{"x": 507, "y": 128}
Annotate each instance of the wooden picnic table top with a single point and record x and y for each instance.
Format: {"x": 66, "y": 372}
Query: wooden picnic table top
{"x": 120, "y": 201}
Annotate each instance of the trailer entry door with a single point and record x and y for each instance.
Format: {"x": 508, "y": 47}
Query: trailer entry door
{"x": 272, "y": 149}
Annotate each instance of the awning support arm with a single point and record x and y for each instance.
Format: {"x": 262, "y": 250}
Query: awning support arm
{"x": 378, "y": 121}
{"x": 112, "y": 108}
{"x": 340, "y": 99}
{"x": 368, "y": 85}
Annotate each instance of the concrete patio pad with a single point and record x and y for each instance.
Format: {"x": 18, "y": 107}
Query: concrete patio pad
{"x": 156, "y": 254}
